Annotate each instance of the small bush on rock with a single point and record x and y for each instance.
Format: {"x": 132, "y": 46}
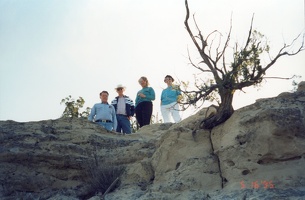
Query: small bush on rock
{"x": 104, "y": 177}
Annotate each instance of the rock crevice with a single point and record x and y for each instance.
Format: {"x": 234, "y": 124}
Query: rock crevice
{"x": 260, "y": 143}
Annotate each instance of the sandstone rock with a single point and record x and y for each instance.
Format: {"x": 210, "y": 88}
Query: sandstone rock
{"x": 256, "y": 154}
{"x": 56, "y": 155}
{"x": 301, "y": 86}
{"x": 263, "y": 142}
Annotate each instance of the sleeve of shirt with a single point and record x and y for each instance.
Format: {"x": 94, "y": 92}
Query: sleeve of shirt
{"x": 162, "y": 95}
{"x": 115, "y": 122}
{"x": 151, "y": 96}
{"x": 137, "y": 99}
{"x": 112, "y": 102}
{"x": 131, "y": 107}
{"x": 92, "y": 114}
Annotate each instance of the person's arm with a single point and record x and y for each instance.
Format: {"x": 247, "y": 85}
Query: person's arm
{"x": 131, "y": 108}
{"x": 92, "y": 114}
{"x": 162, "y": 97}
{"x": 137, "y": 99}
{"x": 114, "y": 120}
{"x": 114, "y": 103}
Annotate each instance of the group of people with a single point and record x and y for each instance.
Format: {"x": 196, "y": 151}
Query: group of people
{"x": 117, "y": 115}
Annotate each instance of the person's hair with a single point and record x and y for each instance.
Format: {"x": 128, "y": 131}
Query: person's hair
{"x": 104, "y": 92}
{"x": 169, "y": 76}
{"x": 144, "y": 79}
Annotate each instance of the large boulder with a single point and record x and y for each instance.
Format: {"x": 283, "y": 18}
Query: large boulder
{"x": 46, "y": 157}
{"x": 257, "y": 153}
{"x": 262, "y": 145}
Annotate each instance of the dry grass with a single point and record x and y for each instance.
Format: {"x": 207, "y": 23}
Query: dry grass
{"x": 104, "y": 175}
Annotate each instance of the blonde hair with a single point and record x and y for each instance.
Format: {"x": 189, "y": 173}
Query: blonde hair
{"x": 143, "y": 78}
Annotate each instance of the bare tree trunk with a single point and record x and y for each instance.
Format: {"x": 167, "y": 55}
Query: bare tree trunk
{"x": 224, "y": 111}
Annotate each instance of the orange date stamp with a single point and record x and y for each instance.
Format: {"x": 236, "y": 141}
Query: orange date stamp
{"x": 257, "y": 184}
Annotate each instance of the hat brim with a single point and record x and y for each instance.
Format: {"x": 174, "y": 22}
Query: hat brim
{"x": 120, "y": 87}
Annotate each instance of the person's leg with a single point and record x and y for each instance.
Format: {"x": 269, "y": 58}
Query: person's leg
{"x": 101, "y": 124}
{"x": 125, "y": 124}
{"x": 119, "y": 124}
{"x": 165, "y": 113}
{"x": 107, "y": 125}
{"x": 138, "y": 112}
{"x": 147, "y": 109}
{"x": 175, "y": 113}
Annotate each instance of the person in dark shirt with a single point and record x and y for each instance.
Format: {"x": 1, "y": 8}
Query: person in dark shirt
{"x": 124, "y": 108}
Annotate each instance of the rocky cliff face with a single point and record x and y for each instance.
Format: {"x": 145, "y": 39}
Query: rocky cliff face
{"x": 258, "y": 153}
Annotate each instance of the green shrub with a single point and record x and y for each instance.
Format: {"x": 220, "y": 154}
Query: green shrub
{"x": 73, "y": 107}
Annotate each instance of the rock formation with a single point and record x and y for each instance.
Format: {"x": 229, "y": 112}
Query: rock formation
{"x": 257, "y": 153}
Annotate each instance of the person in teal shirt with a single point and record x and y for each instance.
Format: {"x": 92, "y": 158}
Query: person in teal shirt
{"x": 143, "y": 102}
{"x": 169, "y": 104}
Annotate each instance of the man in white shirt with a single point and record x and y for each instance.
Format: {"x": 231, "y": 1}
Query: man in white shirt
{"x": 124, "y": 108}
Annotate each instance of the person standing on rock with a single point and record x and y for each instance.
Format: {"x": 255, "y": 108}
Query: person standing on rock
{"x": 124, "y": 108}
{"x": 169, "y": 101}
{"x": 143, "y": 105}
{"x": 104, "y": 113}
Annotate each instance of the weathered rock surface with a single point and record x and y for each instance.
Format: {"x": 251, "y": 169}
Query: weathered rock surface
{"x": 259, "y": 153}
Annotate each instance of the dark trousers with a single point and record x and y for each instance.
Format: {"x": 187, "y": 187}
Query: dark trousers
{"x": 144, "y": 112}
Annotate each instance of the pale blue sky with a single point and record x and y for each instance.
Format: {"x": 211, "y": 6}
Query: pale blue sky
{"x": 54, "y": 48}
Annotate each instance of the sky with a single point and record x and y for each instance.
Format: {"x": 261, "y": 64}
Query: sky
{"x": 55, "y": 48}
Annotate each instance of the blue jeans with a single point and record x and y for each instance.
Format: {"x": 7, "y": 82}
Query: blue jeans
{"x": 106, "y": 125}
{"x": 123, "y": 124}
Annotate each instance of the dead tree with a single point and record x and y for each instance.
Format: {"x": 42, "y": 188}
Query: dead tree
{"x": 245, "y": 70}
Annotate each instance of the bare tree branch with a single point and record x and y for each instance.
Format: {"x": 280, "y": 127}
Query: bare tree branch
{"x": 206, "y": 59}
{"x": 245, "y": 70}
{"x": 188, "y": 28}
{"x": 197, "y": 67}
{"x": 285, "y": 78}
